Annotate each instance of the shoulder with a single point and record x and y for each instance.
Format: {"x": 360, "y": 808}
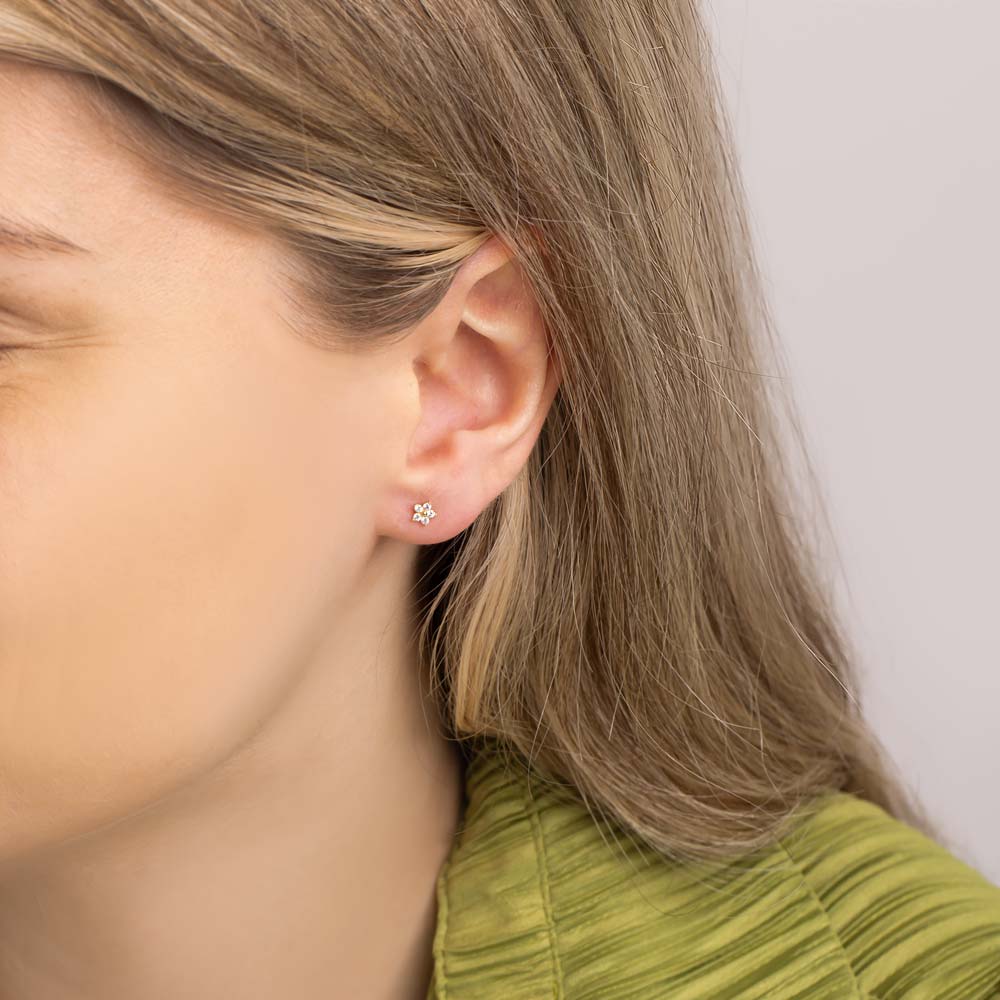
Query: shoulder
{"x": 539, "y": 900}
{"x": 912, "y": 919}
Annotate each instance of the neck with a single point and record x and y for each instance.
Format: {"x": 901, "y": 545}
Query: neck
{"x": 305, "y": 865}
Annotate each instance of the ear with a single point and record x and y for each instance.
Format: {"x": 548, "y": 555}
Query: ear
{"x": 486, "y": 378}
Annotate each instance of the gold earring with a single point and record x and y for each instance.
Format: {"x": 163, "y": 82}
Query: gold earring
{"x": 423, "y": 512}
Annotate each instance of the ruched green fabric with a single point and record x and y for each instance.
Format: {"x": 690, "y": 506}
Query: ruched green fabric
{"x": 537, "y": 900}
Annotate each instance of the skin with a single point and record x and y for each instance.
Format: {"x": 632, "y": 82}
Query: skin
{"x": 219, "y": 775}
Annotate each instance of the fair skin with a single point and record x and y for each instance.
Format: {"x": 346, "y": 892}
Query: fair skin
{"x": 219, "y": 773}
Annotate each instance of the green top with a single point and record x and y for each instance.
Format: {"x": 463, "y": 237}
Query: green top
{"x": 538, "y": 901}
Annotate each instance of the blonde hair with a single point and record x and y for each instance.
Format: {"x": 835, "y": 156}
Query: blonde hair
{"x": 640, "y": 614}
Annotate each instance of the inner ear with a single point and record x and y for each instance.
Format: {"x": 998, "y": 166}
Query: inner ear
{"x": 466, "y": 389}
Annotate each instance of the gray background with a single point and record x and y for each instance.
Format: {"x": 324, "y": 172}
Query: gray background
{"x": 868, "y": 134}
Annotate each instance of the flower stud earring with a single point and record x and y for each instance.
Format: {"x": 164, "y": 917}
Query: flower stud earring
{"x": 423, "y": 512}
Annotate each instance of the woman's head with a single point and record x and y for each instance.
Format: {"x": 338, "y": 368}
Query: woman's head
{"x": 195, "y": 499}
{"x": 294, "y": 209}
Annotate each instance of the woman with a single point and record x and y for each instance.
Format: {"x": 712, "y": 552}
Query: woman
{"x": 401, "y": 593}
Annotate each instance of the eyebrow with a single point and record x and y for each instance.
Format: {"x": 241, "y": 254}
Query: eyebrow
{"x": 32, "y": 238}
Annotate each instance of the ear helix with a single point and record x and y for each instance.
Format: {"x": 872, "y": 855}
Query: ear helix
{"x": 423, "y": 512}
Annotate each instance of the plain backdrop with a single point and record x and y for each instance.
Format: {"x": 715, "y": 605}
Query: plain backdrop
{"x": 870, "y": 149}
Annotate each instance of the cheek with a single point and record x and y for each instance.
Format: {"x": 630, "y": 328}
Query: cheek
{"x": 169, "y": 549}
